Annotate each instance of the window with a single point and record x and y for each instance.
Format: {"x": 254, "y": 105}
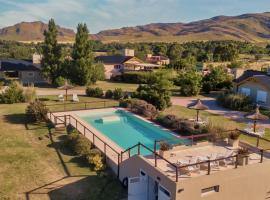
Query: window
{"x": 163, "y": 193}
{"x": 261, "y": 96}
{"x": 245, "y": 91}
{"x": 210, "y": 190}
{"x": 30, "y": 74}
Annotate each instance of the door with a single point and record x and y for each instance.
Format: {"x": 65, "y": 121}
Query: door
{"x": 137, "y": 188}
{"x": 163, "y": 193}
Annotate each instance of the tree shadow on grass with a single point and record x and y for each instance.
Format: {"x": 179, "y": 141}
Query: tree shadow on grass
{"x": 16, "y": 119}
{"x": 77, "y": 186}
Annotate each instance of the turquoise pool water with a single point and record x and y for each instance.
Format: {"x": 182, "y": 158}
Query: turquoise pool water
{"x": 129, "y": 130}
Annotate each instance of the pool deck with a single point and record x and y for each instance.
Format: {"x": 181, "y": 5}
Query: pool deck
{"x": 99, "y": 136}
{"x": 181, "y": 153}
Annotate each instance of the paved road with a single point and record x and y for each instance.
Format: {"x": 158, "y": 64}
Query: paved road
{"x": 216, "y": 109}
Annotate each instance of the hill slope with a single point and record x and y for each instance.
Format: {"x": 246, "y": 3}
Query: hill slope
{"x": 247, "y": 27}
{"x": 33, "y": 31}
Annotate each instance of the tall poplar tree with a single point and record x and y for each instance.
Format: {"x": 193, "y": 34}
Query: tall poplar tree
{"x": 82, "y": 57}
{"x": 52, "y": 53}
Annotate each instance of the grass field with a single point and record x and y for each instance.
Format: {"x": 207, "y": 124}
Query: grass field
{"x": 218, "y": 120}
{"x": 36, "y": 165}
{"x": 107, "y": 85}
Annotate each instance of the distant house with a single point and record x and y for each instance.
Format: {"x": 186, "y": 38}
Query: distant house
{"x": 115, "y": 65}
{"x": 24, "y": 71}
{"x": 158, "y": 60}
{"x": 255, "y": 84}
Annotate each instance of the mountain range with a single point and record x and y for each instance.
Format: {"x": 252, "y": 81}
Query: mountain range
{"x": 247, "y": 27}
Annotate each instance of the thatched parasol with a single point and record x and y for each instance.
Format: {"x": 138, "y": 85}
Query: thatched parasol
{"x": 198, "y": 106}
{"x": 256, "y": 116}
{"x": 66, "y": 87}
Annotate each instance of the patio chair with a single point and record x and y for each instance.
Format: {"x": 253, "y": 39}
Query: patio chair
{"x": 189, "y": 169}
{"x": 228, "y": 160}
{"x": 261, "y": 131}
{"x": 75, "y": 98}
{"x": 61, "y": 98}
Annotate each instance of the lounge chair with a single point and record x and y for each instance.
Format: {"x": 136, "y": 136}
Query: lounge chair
{"x": 61, "y": 98}
{"x": 261, "y": 131}
{"x": 75, "y": 98}
{"x": 249, "y": 128}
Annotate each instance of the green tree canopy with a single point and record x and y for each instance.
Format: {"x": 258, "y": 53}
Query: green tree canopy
{"x": 217, "y": 79}
{"x": 189, "y": 82}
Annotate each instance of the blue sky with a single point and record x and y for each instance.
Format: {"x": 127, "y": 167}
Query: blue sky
{"x": 107, "y": 14}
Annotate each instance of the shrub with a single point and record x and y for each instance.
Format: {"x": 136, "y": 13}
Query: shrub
{"x": 36, "y": 111}
{"x": 167, "y": 121}
{"x": 94, "y": 92}
{"x": 126, "y": 103}
{"x": 118, "y": 93}
{"x": 14, "y": 94}
{"x": 82, "y": 146}
{"x": 109, "y": 94}
{"x": 59, "y": 81}
{"x": 164, "y": 146}
{"x": 72, "y": 137}
{"x": 30, "y": 94}
{"x": 235, "y": 101}
{"x": 95, "y": 158}
{"x": 136, "y": 77}
{"x": 234, "y": 135}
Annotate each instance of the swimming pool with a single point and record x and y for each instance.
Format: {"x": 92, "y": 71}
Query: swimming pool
{"x": 127, "y": 130}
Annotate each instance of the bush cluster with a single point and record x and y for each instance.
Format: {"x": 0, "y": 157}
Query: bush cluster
{"x": 97, "y": 92}
{"x": 139, "y": 107}
{"x": 136, "y": 77}
{"x": 109, "y": 94}
{"x": 36, "y": 111}
{"x": 118, "y": 93}
{"x": 13, "y": 94}
{"x": 235, "y": 101}
{"x": 94, "y": 92}
{"x": 84, "y": 148}
{"x": 185, "y": 127}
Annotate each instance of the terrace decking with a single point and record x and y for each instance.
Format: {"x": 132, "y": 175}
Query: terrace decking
{"x": 200, "y": 151}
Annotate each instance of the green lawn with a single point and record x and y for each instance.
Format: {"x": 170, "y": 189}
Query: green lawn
{"x": 85, "y": 102}
{"x": 107, "y": 85}
{"x": 218, "y": 120}
{"x": 36, "y": 165}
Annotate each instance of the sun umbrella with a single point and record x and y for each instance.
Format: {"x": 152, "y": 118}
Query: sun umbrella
{"x": 198, "y": 106}
{"x": 256, "y": 116}
{"x": 66, "y": 87}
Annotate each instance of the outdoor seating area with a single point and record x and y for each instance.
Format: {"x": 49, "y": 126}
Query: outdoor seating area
{"x": 193, "y": 161}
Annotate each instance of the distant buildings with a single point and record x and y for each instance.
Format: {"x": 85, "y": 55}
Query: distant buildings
{"x": 159, "y": 60}
{"x": 25, "y": 71}
{"x": 117, "y": 64}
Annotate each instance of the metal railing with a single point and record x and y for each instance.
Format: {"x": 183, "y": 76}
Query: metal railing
{"x": 71, "y": 106}
{"x": 67, "y": 120}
